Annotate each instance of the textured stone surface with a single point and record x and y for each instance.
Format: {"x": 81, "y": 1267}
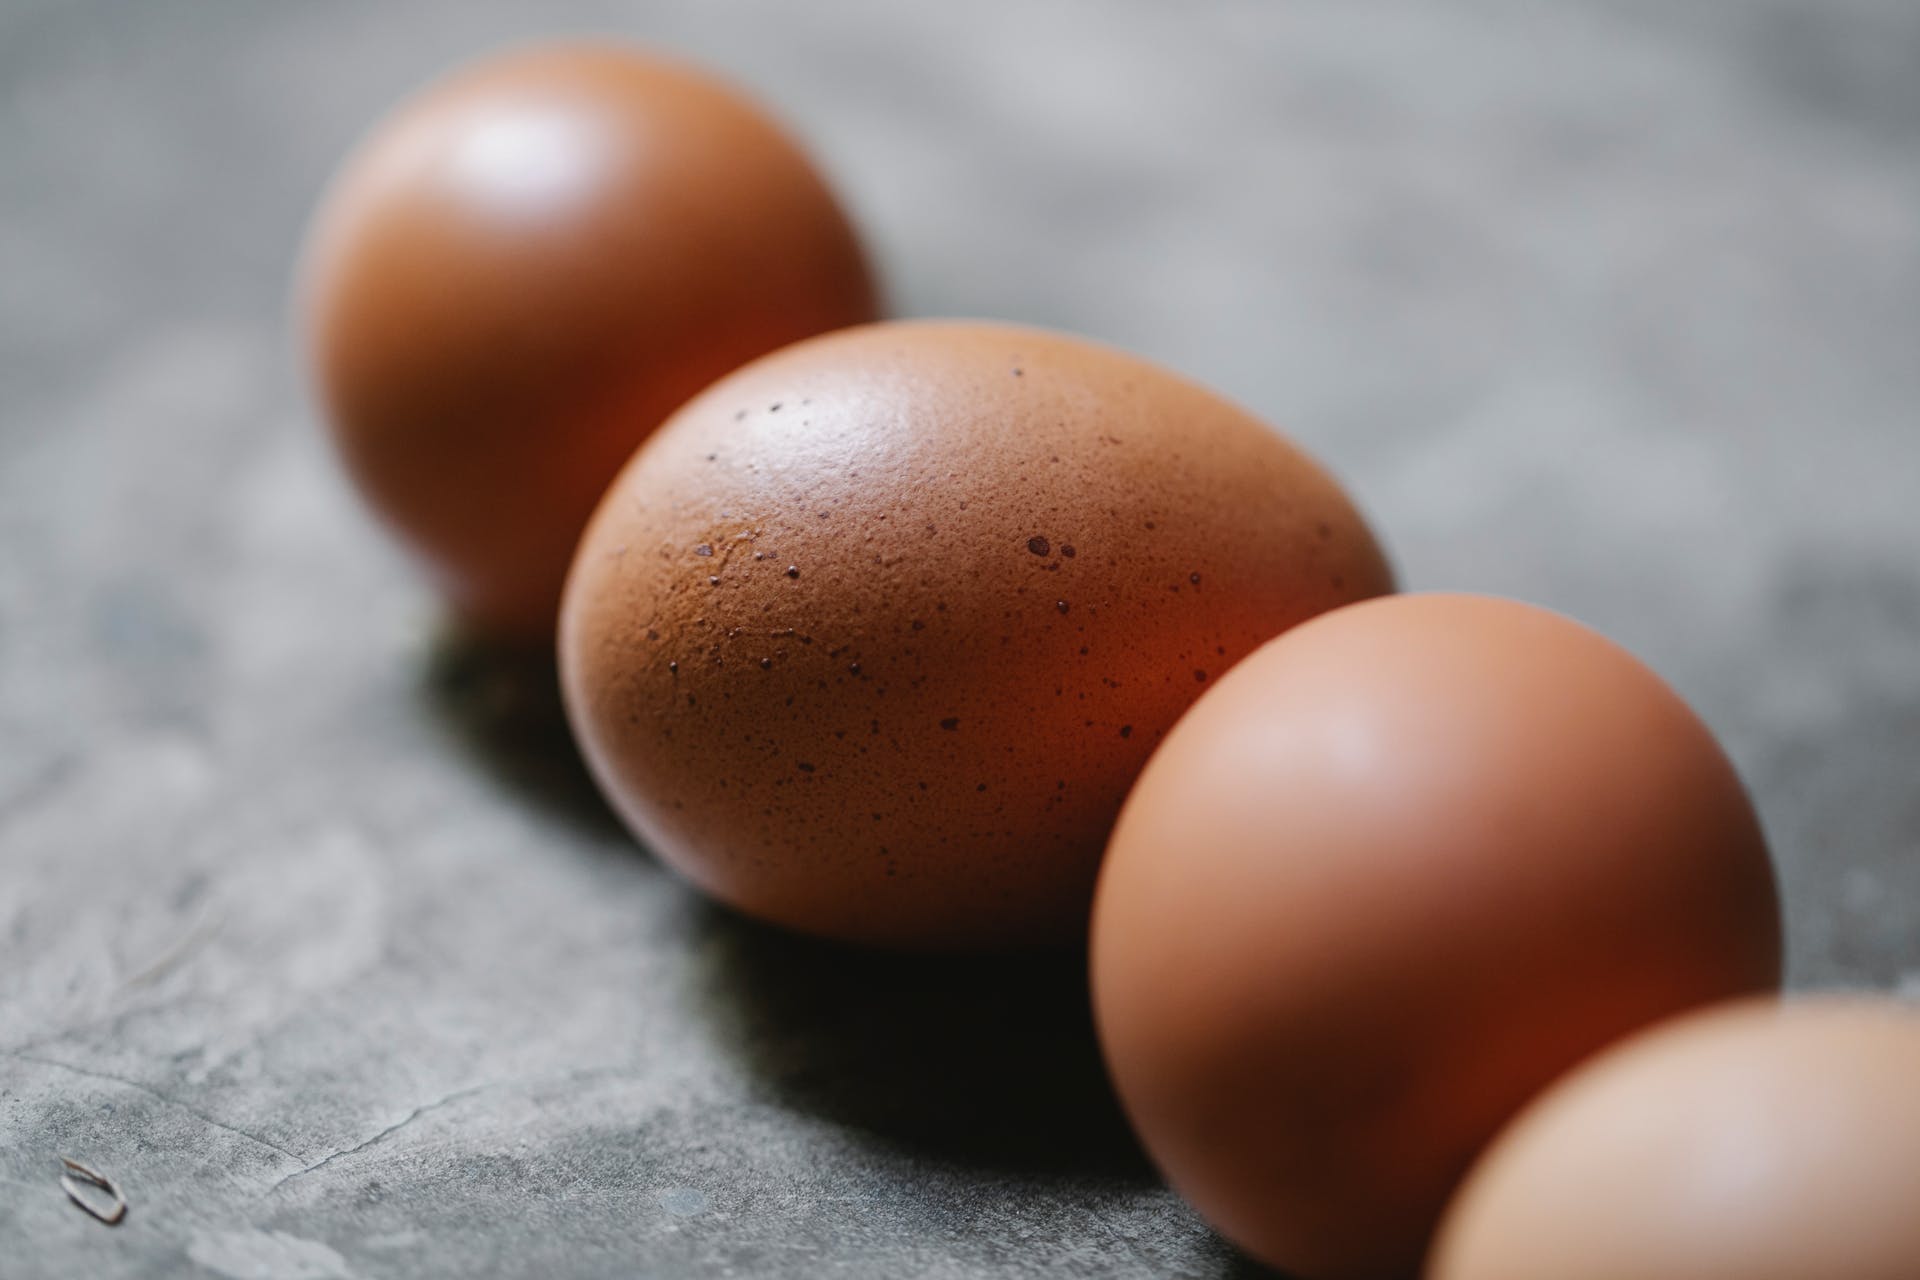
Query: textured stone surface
{"x": 312, "y": 933}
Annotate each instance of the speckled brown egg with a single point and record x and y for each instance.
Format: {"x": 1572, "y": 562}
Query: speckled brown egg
{"x": 872, "y": 637}
{"x": 1398, "y": 871}
{"x": 525, "y": 269}
{"x": 1751, "y": 1142}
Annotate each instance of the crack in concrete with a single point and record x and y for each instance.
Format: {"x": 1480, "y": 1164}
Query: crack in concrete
{"x": 314, "y": 1166}
{"x": 444, "y": 1100}
{"x": 155, "y": 1094}
{"x": 387, "y": 1132}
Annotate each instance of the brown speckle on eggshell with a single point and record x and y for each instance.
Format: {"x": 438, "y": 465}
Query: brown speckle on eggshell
{"x": 937, "y": 596}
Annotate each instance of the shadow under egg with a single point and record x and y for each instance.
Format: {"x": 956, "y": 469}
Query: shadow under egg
{"x": 984, "y": 1060}
{"x": 500, "y": 704}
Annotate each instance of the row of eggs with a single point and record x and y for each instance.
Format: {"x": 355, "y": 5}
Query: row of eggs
{"x": 954, "y": 635}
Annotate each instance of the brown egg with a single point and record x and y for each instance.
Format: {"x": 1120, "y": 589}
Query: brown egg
{"x": 871, "y": 638}
{"x": 525, "y": 269}
{"x": 1390, "y": 877}
{"x": 1751, "y": 1142}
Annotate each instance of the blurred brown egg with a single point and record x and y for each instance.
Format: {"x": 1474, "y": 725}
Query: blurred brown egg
{"x": 1751, "y": 1142}
{"x": 1392, "y": 875}
{"x": 872, "y": 637}
{"x": 525, "y": 269}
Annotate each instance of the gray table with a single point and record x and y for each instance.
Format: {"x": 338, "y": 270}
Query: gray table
{"x": 312, "y": 932}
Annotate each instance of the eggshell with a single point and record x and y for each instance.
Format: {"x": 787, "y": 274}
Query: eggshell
{"x": 872, "y": 637}
{"x": 1752, "y": 1142}
{"x": 1392, "y": 875}
{"x": 525, "y": 269}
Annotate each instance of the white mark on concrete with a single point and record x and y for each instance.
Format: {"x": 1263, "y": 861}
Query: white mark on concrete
{"x": 683, "y": 1202}
{"x": 266, "y": 1255}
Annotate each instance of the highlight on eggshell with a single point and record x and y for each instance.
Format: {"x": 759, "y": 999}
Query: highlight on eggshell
{"x": 872, "y": 637}
{"x": 1387, "y": 879}
{"x": 525, "y": 269}
{"x": 1754, "y": 1141}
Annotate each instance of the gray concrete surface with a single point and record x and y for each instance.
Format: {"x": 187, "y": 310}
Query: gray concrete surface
{"x": 311, "y": 931}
